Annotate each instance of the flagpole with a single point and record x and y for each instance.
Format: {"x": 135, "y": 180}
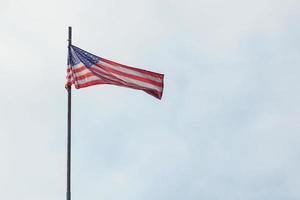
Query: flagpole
{"x": 69, "y": 128}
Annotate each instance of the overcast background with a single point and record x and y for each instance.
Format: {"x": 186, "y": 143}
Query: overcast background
{"x": 227, "y": 127}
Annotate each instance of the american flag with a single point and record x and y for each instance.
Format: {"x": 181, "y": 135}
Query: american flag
{"x": 86, "y": 69}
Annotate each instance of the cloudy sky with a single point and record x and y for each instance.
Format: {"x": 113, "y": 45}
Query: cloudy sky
{"x": 227, "y": 127}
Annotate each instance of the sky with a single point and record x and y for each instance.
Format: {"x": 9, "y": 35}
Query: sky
{"x": 227, "y": 127}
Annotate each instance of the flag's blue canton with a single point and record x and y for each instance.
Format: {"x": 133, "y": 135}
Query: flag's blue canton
{"x": 73, "y": 59}
{"x": 78, "y": 55}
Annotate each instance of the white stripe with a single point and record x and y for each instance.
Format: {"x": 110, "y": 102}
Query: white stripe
{"x": 129, "y": 71}
{"x": 133, "y": 81}
{"x": 88, "y": 79}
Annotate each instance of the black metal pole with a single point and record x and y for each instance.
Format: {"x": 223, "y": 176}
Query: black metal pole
{"x": 69, "y": 129}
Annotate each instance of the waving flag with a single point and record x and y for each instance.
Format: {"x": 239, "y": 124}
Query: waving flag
{"x": 86, "y": 69}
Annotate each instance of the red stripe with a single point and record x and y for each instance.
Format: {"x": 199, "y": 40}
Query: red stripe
{"x": 97, "y": 82}
{"x": 155, "y": 93}
{"x": 102, "y": 78}
{"x": 99, "y": 72}
{"x": 78, "y": 69}
{"x": 157, "y": 75}
{"x": 89, "y": 74}
{"x": 108, "y": 81}
{"x": 145, "y": 80}
{"x": 90, "y": 83}
{"x": 127, "y": 84}
{"x": 69, "y": 83}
